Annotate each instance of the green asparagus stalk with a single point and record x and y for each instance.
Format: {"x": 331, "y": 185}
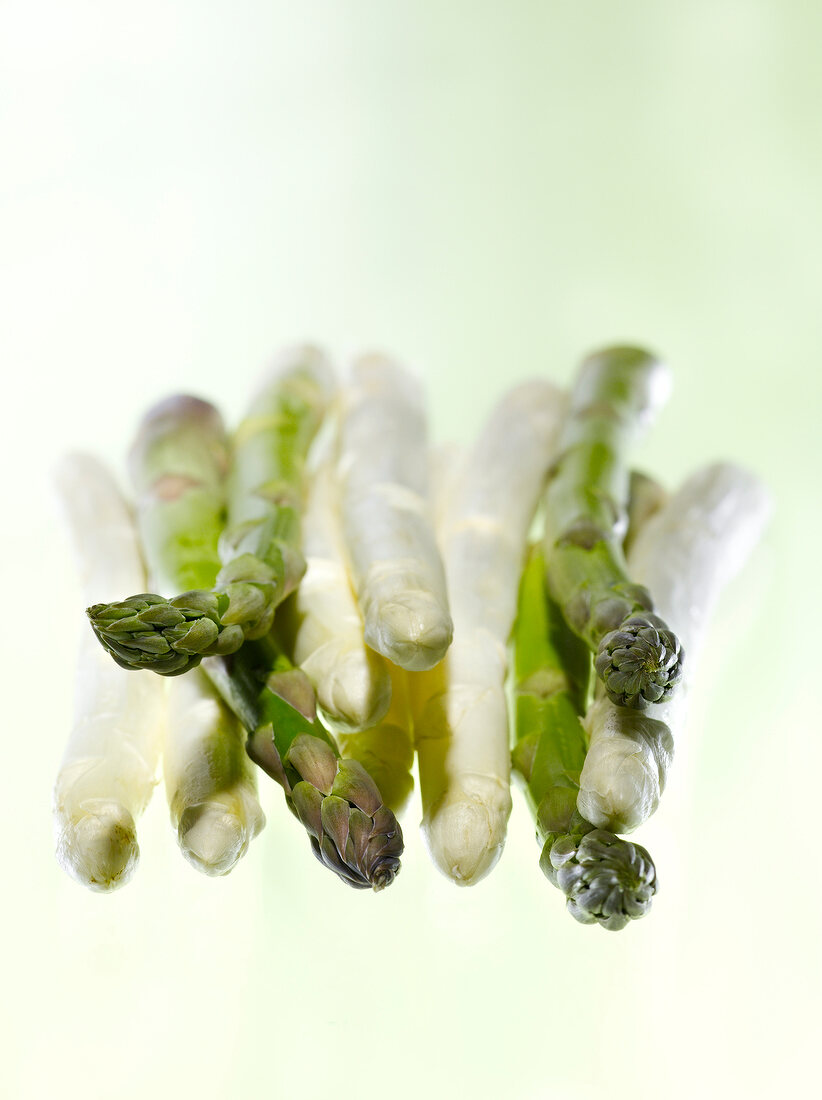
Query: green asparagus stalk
{"x": 259, "y": 548}
{"x": 605, "y": 879}
{"x": 638, "y": 657}
{"x": 352, "y": 831}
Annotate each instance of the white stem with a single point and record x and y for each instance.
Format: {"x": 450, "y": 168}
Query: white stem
{"x": 382, "y": 470}
{"x": 461, "y": 716}
{"x": 351, "y": 681}
{"x": 210, "y": 781}
{"x": 685, "y": 555}
{"x": 110, "y": 762}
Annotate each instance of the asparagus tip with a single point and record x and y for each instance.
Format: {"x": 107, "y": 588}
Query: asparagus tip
{"x": 465, "y": 835}
{"x": 607, "y": 880}
{"x": 640, "y": 662}
{"x": 211, "y": 838}
{"x": 98, "y": 848}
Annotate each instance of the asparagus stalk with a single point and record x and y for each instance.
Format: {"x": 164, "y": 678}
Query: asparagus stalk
{"x": 395, "y": 564}
{"x": 460, "y": 708}
{"x": 259, "y": 549}
{"x": 110, "y": 761}
{"x": 638, "y": 657}
{"x": 606, "y": 880}
{"x": 210, "y": 781}
{"x": 686, "y": 553}
{"x": 352, "y": 831}
{"x": 352, "y": 682}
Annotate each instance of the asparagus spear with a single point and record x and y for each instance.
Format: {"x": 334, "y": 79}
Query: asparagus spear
{"x": 210, "y": 781}
{"x": 686, "y": 553}
{"x": 395, "y": 564}
{"x": 259, "y": 549}
{"x": 460, "y": 708}
{"x": 605, "y": 879}
{"x": 638, "y": 657}
{"x": 109, "y": 766}
{"x": 352, "y": 831}
{"x": 352, "y": 682}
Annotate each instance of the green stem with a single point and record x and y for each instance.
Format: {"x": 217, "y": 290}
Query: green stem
{"x": 637, "y": 657}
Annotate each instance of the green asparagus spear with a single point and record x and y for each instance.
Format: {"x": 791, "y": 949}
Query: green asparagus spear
{"x": 605, "y": 879}
{"x": 259, "y": 549}
{"x": 638, "y": 657}
{"x": 352, "y": 831}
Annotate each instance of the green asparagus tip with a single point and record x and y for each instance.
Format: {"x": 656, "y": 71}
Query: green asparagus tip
{"x": 607, "y": 880}
{"x": 352, "y": 831}
{"x": 640, "y": 662}
{"x": 166, "y": 636}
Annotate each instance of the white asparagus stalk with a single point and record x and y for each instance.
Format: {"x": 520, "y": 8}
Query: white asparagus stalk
{"x": 209, "y": 778}
{"x": 351, "y": 681}
{"x": 382, "y": 471}
{"x": 685, "y": 554}
{"x": 461, "y": 714}
{"x": 109, "y": 767}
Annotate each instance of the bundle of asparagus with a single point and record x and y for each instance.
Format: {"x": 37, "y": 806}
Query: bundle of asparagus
{"x": 338, "y": 627}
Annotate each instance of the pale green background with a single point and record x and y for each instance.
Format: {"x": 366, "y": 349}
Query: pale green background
{"x": 490, "y": 190}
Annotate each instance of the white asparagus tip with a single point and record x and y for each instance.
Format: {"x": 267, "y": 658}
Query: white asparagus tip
{"x": 411, "y": 631}
{"x": 212, "y": 838}
{"x": 354, "y": 698}
{"x": 98, "y": 848}
{"x": 465, "y": 831}
{"x": 632, "y": 793}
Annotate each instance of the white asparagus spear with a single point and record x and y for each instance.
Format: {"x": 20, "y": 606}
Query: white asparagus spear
{"x": 382, "y": 472}
{"x": 110, "y": 762}
{"x": 351, "y": 680}
{"x": 461, "y": 715}
{"x": 209, "y": 779}
{"x": 685, "y": 554}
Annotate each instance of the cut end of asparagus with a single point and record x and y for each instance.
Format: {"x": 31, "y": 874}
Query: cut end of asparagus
{"x": 412, "y": 630}
{"x": 166, "y": 636}
{"x": 607, "y": 880}
{"x": 634, "y": 372}
{"x": 465, "y": 832}
{"x": 212, "y": 838}
{"x": 99, "y": 848}
{"x": 640, "y": 662}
